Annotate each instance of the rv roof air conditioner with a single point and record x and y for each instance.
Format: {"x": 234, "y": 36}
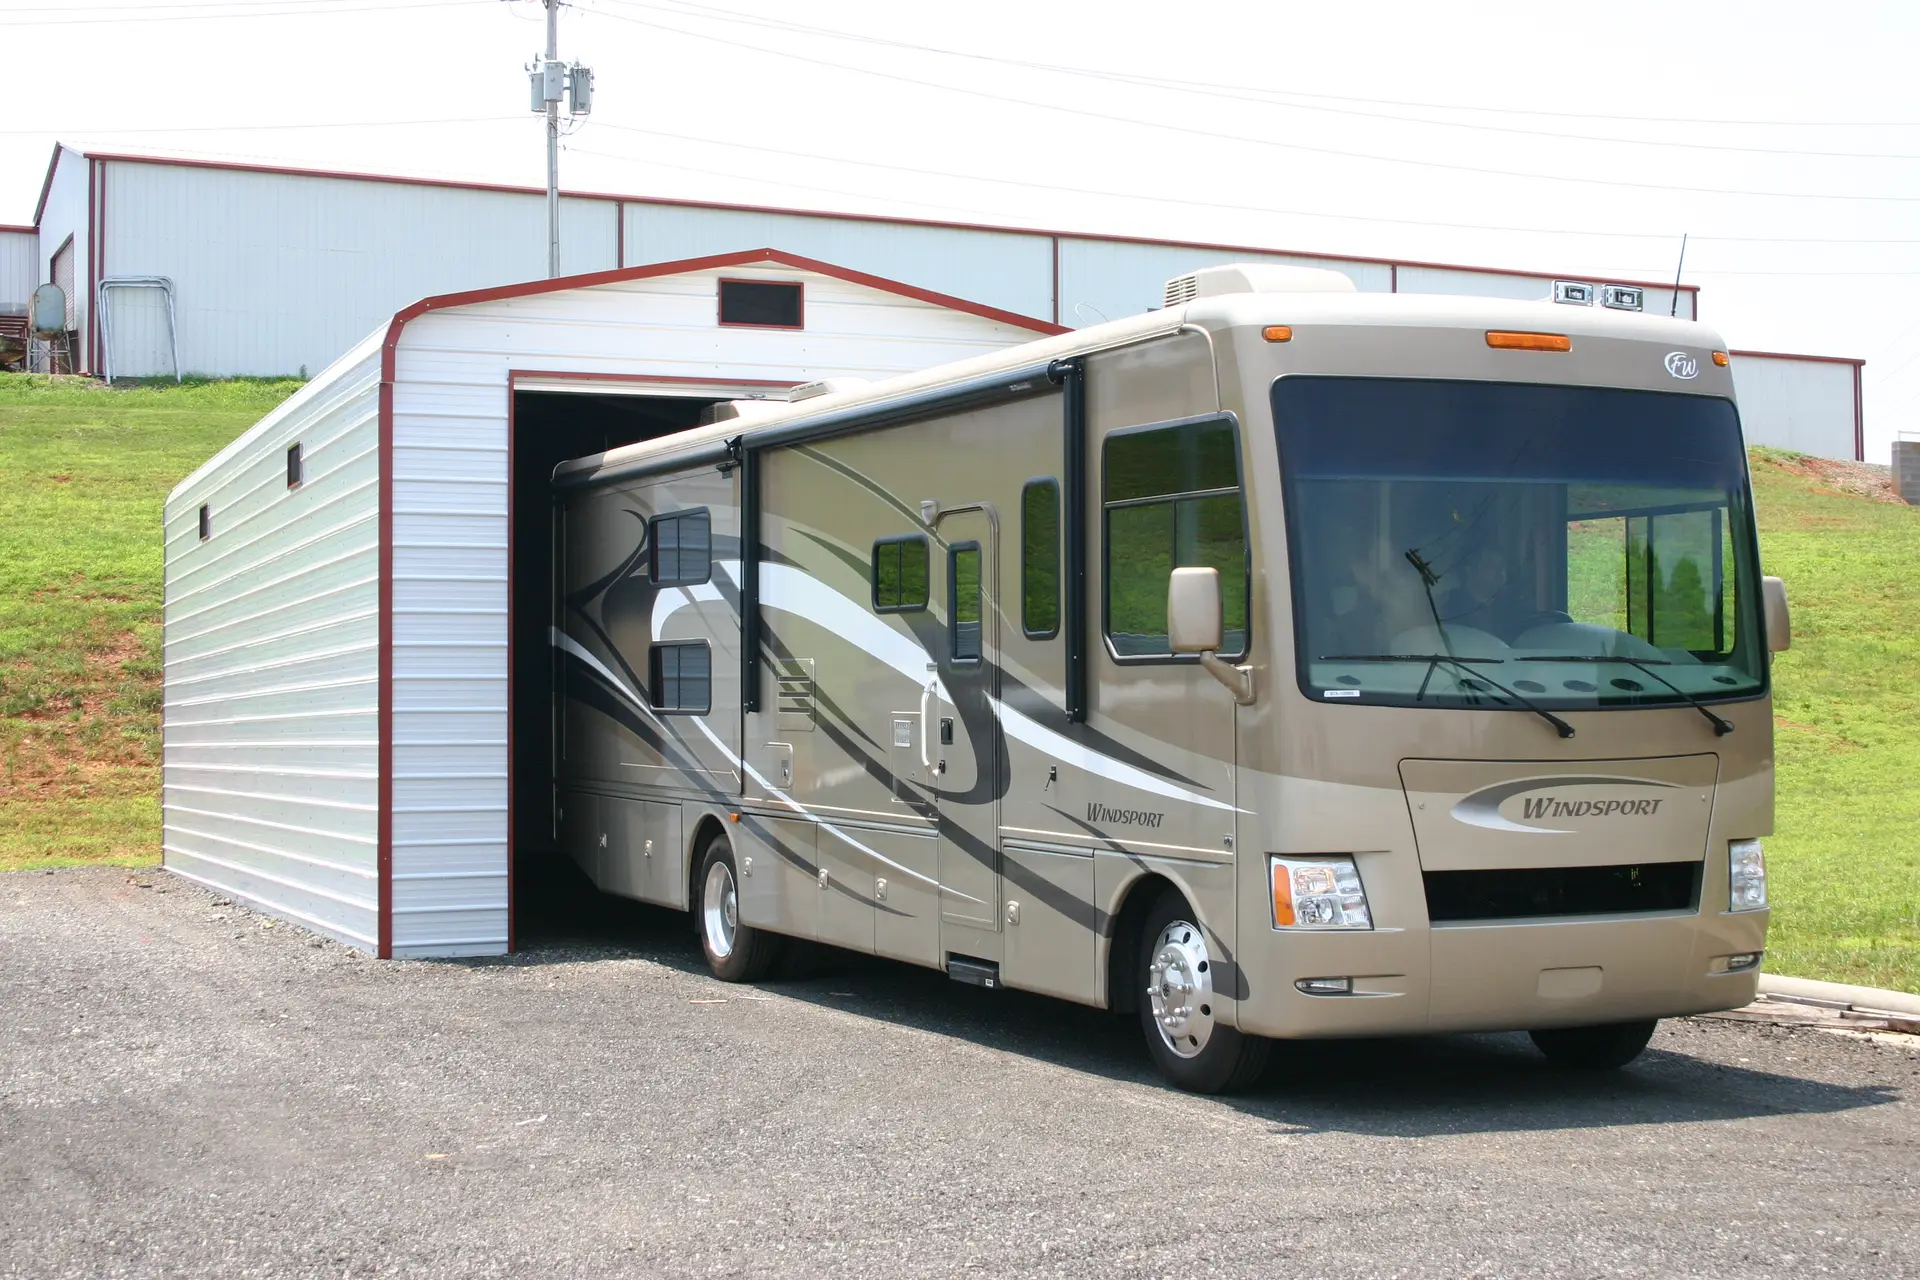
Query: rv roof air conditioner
{"x": 827, "y": 387}
{"x": 1252, "y": 277}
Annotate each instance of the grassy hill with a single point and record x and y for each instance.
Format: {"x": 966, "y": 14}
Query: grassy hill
{"x": 83, "y": 471}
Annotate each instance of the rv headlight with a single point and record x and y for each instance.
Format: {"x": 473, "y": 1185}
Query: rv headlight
{"x": 1747, "y": 878}
{"x": 1318, "y": 893}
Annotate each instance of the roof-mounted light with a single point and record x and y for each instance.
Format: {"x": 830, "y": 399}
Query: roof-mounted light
{"x": 1278, "y": 333}
{"x": 1722, "y": 359}
{"x": 1507, "y": 340}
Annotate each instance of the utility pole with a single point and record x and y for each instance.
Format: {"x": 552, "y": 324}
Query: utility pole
{"x": 553, "y": 80}
{"x": 553, "y": 145}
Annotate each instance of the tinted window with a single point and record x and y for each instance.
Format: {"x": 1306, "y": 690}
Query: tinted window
{"x": 682, "y": 677}
{"x": 1040, "y": 558}
{"x": 1171, "y": 500}
{"x": 295, "y": 474}
{"x": 1584, "y": 547}
{"x": 900, "y": 574}
{"x": 963, "y": 582}
{"x": 756, "y": 302}
{"x": 682, "y": 548}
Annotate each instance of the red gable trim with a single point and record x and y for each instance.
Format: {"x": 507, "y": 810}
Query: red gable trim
{"x": 746, "y": 257}
{"x": 46, "y": 184}
{"x": 29, "y": 231}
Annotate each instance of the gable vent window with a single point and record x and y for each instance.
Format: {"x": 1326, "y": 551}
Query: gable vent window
{"x": 294, "y": 473}
{"x": 762, "y": 304}
{"x": 206, "y": 522}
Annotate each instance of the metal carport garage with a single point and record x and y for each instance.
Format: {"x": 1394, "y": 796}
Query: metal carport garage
{"x": 342, "y": 605}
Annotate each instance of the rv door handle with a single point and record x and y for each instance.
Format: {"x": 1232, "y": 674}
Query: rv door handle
{"x": 926, "y": 696}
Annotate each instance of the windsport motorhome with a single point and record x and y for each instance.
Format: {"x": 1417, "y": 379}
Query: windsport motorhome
{"x": 1288, "y": 662}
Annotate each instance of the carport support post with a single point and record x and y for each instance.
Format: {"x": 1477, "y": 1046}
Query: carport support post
{"x": 553, "y": 148}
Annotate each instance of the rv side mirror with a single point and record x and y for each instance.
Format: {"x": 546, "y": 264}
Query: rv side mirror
{"x": 1773, "y": 593}
{"x": 1193, "y": 610}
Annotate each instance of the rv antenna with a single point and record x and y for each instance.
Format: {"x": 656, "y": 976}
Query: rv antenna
{"x": 1674, "y": 309}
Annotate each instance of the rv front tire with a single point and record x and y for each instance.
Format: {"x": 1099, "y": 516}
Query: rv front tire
{"x": 1175, "y": 972}
{"x": 735, "y": 952}
{"x": 1601, "y": 1048}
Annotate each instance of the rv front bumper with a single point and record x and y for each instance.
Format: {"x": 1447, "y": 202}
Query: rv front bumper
{"x": 1496, "y": 976}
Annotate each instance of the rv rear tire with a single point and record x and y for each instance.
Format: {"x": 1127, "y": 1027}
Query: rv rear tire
{"x": 735, "y": 952}
{"x": 1175, "y": 975}
{"x": 1601, "y": 1048}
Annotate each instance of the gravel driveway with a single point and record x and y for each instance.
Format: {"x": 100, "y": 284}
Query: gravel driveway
{"x": 186, "y": 1089}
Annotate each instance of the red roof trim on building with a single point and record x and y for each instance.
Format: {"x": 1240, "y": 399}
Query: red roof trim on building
{"x": 890, "y": 219}
{"x": 46, "y": 185}
{"x": 746, "y": 257}
{"x": 575, "y": 375}
{"x": 1789, "y": 355}
{"x": 31, "y": 231}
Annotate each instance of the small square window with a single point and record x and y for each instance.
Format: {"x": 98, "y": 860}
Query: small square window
{"x": 963, "y": 602}
{"x": 764, "y": 304}
{"x": 682, "y": 677}
{"x": 294, "y": 472}
{"x": 206, "y": 522}
{"x": 682, "y": 549}
{"x": 900, "y": 574}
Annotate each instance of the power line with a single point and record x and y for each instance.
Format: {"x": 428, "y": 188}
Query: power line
{"x": 77, "y": 132}
{"x": 327, "y": 10}
{"x": 1139, "y": 122}
{"x": 1267, "y": 97}
{"x": 892, "y": 167}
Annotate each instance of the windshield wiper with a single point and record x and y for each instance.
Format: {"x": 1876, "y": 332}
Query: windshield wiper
{"x": 1433, "y": 660}
{"x": 1721, "y": 727}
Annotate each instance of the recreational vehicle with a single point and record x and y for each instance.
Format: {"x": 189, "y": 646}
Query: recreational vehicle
{"x": 1285, "y": 662}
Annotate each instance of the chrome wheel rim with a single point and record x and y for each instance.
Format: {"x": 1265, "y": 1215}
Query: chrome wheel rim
{"x": 1180, "y": 989}
{"x": 719, "y": 911}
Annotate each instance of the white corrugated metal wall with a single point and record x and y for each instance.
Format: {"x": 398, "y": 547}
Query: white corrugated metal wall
{"x": 19, "y": 266}
{"x": 450, "y": 402}
{"x": 1798, "y": 403}
{"x": 274, "y": 272}
{"x": 270, "y": 721}
{"x": 1491, "y": 284}
{"x": 64, "y": 215}
{"x": 1009, "y": 270}
{"x": 1103, "y": 280}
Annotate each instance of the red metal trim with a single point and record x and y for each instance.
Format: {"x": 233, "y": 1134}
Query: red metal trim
{"x": 46, "y": 185}
{"x": 888, "y": 219}
{"x": 801, "y": 285}
{"x": 1056, "y": 279}
{"x": 385, "y": 817}
{"x": 511, "y": 830}
{"x": 29, "y": 231}
{"x": 1393, "y": 277}
{"x": 1859, "y": 416}
{"x": 748, "y": 257}
{"x": 619, "y": 234}
{"x": 96, "y": 258}
{"x": 575, "y": 375}
{"x": 1788, "y": 355}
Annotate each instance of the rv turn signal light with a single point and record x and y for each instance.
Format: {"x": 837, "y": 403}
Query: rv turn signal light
{"x": 1510, "y": 341}
{"x": 1318, "y": 893}
{"x": 1278, "y": 333}
{"x": 1722, "y": 359}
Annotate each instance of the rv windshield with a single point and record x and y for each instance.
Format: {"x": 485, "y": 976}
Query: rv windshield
{"x": 1460, "y": 543}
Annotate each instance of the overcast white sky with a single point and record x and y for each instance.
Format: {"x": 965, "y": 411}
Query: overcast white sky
{"x": 1785, "y": 138}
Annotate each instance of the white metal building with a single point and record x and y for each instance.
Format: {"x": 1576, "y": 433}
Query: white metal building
{"x": 276, "y": 270}
{"x": 339, "y": 718}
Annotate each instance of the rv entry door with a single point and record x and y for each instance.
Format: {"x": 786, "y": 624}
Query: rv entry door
{"x": 963, "y": 733}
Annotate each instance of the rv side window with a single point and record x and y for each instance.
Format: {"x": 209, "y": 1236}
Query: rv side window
{"x": 682, "y": 548}
{"x": 900, "y": 574}
{"x": 1170, "y": 499}
{"x": 1040, "y": 559}
{"x": 682, "y": 677}
{"x": 963, "y": 591}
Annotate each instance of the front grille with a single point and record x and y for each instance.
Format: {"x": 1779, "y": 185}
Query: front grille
{"x": 1562, "y": 891}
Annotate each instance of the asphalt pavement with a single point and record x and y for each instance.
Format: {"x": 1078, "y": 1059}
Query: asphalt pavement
{"x": 189, "y": 1089}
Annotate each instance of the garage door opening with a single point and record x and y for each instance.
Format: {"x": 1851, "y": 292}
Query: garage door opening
{"x": 553, "y": 421}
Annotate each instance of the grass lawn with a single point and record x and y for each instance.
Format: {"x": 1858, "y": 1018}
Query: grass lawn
{"x": 83, "y": 472}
